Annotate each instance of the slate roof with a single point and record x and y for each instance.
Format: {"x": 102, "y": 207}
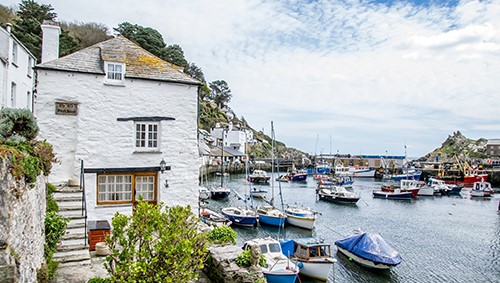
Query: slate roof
{"x": 139, "y": 63}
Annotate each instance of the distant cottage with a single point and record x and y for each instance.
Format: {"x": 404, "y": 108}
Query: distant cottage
{"x": 16, "y": 72}
{"x": 125, "y": 118}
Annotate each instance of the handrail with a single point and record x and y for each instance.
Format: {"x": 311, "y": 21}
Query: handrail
{"x": 84, "y": 202}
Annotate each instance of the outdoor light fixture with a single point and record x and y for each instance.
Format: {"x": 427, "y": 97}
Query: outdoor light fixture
{"x": 163, "y": 165}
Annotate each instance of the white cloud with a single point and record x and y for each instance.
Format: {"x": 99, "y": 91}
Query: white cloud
{"x": 372, "y": 76}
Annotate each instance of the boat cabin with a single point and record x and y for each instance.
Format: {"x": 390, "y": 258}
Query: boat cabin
{"x": 266, "y": 245}
{"x": 308, "y": 248}
{"x": 482, "y": 186}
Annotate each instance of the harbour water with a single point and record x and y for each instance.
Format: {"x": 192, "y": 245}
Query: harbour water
{"x": 441, "y": 238}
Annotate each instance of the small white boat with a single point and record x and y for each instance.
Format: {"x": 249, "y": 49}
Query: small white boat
{"x": 259, "y": 176}
{"x": 213, "y": 218}
{"x": 426, "y": 191}
{"x": 279, "y": 268}
{"x": 361, "y": 172}
{"x": 219, "y": 192}
{"x": 481, "y": 189}
{"x": 204, "y": 193}
{"x": 338, "y": 194}
{"x": 259, "y": 192}
{"x": 314, "y": 255}
{"x": 301, "y": 216}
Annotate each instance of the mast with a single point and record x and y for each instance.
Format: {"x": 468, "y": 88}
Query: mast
{"x": 222, "y": 161}
{"x": 272, "y": 163}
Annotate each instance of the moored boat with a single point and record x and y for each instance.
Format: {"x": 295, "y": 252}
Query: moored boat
{"x": 405, "y": 186}
{"x": 361, "y": 172}
{"x": 279, "y": 268}
{"x": 338, "y": 194}
{"x": 213, "y": 218}
{"x": 301, "y": 216}
{"x": 219, "y": 192}
{"x": 314, "y": 255}
{"x": 369, "y": 250}
{"x": 396, "y": 194}
{"x": 481, "y": 189}
{"x": 297, "y": 175}
{"x": 272, "y": 216}
{"x": 204, "y": 193}
{"x": 241, "y": 216}
{"x": 259, "y": 176}
{"x": 258, "y": 192}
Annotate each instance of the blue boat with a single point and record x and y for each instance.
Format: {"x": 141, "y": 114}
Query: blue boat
{"x": 411, "y": 175}
{"x": 369, "y": 250}
{"x": 272, "y": 216}
{"x": 240, "y": 216}
{"x": 279, "y": 268}
{"x": 297, "y": 175}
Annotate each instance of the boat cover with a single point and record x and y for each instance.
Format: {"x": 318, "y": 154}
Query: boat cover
{"x": 287, "y": 248}
{"x": 370, "y": 246}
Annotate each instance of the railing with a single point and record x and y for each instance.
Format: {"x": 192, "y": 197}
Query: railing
{"x": 84, "y": 203}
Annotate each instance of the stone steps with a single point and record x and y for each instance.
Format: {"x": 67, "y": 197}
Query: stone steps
{"x": 74, "y": 250}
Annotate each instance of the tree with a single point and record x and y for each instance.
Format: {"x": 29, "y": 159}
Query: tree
{"x": 221, "y": 94}
{"x": 174, "y": 54}
{"x": 148, "y": 38}
{"x": 195, "y": 72}
{"x": 7, "y": 15}
{"x": 27, "y": 28}
{"x": 86, "y": 34}
{"x": 153, "y": 245}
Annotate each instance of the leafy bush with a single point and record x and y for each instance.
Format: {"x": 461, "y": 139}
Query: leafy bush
{"x": 55, "y": 228}
{"x": 51, "y": 203}
{"x": 243, "y": 259}
{"x": 153, "y": 245}
{"x": 17, "y": 125}
{"x": 99, "y": 280}
{"x": 222, "y": 235}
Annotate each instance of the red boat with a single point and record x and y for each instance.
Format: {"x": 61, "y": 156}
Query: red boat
{"x": 411, "y": 186}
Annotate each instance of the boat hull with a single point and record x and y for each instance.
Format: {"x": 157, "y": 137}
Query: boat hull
{"x": 363, "y": 173}
{"x": 298, "y": 178}
{"x": 272, "y": 220}
{"x": 392, "y": 195}
{"x": 364, "y": 262}
{"x": 259, "y": 180}
{"x": 301, "y": 222}
{"x": 338, "y": 199}
{"x": 429, "y": 191}
{"x": 410, "y": 176}
{"x": 219, "y": 195}
{"x": 316, "y": 269}
{"x": 284, "y": 276}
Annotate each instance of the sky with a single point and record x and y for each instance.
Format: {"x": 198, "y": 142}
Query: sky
{"x": 350, "y": 76}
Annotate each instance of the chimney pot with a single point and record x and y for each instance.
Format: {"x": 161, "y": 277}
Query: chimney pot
{"x": 8, "y": 27}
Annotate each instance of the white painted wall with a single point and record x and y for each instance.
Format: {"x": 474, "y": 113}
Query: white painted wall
{"x": 96, "y": 137}
{"x": 17, "y": 72}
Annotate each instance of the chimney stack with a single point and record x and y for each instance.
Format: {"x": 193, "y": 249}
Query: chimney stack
{"x": 50, "y": 40}
{"x": 8, "y": 27}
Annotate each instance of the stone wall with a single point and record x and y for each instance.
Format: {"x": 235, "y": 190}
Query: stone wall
{"x": 22, "y": 214}
{"x": 221, "y": 266}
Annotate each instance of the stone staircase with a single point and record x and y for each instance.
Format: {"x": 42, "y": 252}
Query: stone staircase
{"x": 74, "y": 250}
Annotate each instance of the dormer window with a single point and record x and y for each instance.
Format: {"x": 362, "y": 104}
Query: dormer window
{"x": 115, "y": 72}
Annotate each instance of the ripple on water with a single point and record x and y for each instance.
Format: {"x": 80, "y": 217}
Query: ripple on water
{"x": 441, "y": 239}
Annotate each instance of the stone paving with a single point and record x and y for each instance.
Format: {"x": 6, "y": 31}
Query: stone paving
{"x": 81, "y": 274}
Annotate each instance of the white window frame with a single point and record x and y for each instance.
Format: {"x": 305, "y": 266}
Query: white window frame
{"x": 113, "y": 76}
{"x": 30, "y": 67}
{"x": 13, "y": 90}
{"x": 145, "y": 138}
{"x": 126, "y": 188}
{"x": 15, "y": 48}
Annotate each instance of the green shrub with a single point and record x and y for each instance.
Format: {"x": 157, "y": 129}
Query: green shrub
{"x": 153, "y": 245}
{"x": 55, "y": 228}
{"x": 243, "y": 259}
{"x": 222, "y": 235}
{"x": 51, "y": 203}
{"x": 99, "y": 280}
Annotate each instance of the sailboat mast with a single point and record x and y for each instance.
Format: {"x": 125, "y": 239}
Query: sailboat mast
{"x": 222, "y": 161}
{"x": 272, "y": 163}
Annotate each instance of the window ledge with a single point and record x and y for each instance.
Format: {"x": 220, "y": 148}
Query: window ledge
{"x": 107, "y": 205}
{"x": 114, "y": 82}
{"x": 147, "y": 151}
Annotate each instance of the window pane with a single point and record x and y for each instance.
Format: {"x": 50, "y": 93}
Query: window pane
{"x": 114, "y": 187}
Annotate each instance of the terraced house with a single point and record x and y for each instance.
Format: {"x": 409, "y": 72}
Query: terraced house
{"x": 123, "y": 119}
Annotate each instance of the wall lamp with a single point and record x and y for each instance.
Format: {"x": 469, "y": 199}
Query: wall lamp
{"x": 163, "y": 165}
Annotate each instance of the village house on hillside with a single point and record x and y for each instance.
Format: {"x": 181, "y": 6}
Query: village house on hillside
{"x": 127, "y": 116}
{"x": 16, "y": 72}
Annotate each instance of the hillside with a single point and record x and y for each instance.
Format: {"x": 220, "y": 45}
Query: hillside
{"x": 457, "y": 145}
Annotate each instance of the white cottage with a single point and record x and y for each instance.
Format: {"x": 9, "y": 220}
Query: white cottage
{"x": 16, "y": 72}
{"x": 120, "y": 111}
